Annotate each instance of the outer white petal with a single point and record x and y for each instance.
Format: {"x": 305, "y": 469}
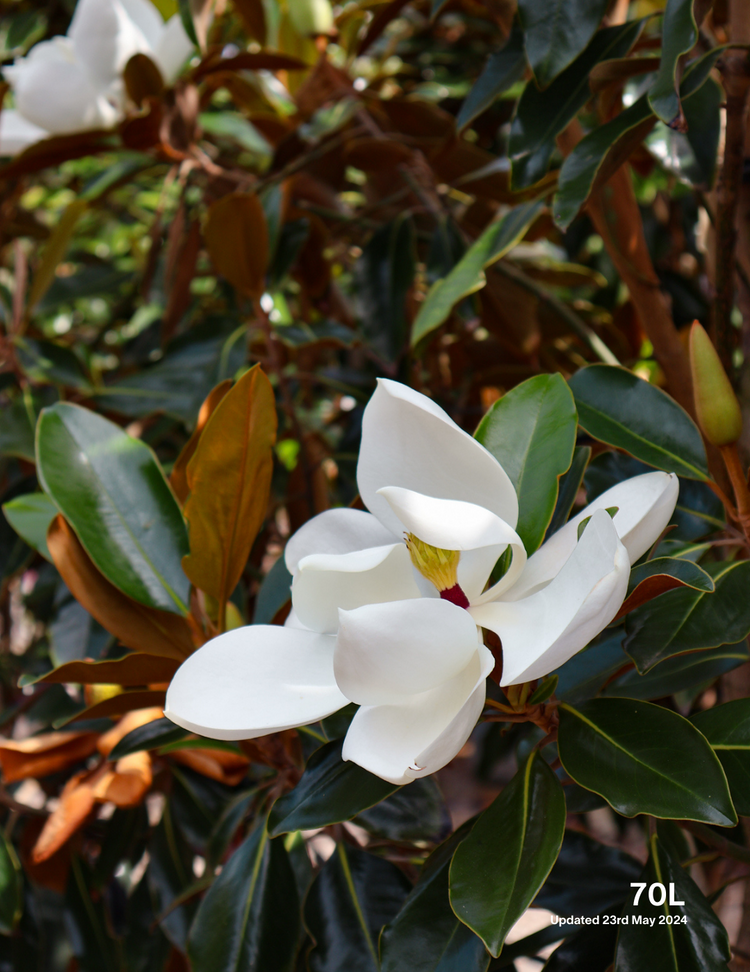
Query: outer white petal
{"x": 105, "y": 38}
{"x": 336, "y": 532}
{"x": 645, "y": 505}
{"x": 327, "y": 582}
{"x": 386, "y": 652}
{"x": 457, "y": 525}
{"x": 16, "y": 133}
{"x": 408, "y": 441}
{"x": 147, "y": 19}
{"x": 420, "y": 735}
{"x": 173, "y": 49}
{"x": 54, "y": 91}
{"x": 255, "y": 680}
{"x": 541, "y": 632}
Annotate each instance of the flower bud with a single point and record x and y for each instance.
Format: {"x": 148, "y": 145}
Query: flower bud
{"x": 311, "y": 16}
{"x": 716, "y": 405}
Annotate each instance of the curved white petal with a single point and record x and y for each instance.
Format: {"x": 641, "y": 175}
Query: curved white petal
{"x": 541, "y": 632}
{"x": 54, "y": 91}
{"x": 645, "y": 505}
{"x": 456, "y": 525}
{"x": 336, "y": 531}
{"x": 173, "y": 49}
{"x": 385, "y": 652}
{"x": 147, "y": 19}
{"x": 327, "y": 582}
{"x": 104, "y": 38}
{"x": 424, "y": 732}
{"x": 255, "y": 680}
{"x": 16, "y": 133}
{"x": 409, "y": 441}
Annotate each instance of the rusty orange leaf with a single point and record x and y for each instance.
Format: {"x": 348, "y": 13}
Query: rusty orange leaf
{"x": 124, "y": 702}
{"x": 133, "y": 720}
{"x": 41, "y": 755}
{"x": 236, "y": 237}
{"x": 229, "y": 478}
{"x": 178, "y": 476}
{"x": 127, "y": 783}
{"x": 224, "y": 767}
{"x": 137, "y": 668}
{"x": 139, "y": 627}
{"x": 76, "y": 803}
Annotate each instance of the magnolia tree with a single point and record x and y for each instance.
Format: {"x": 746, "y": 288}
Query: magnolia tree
{"x": 374, "y": 565}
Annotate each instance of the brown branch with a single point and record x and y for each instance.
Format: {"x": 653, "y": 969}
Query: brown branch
{"x": 728, "y": 848}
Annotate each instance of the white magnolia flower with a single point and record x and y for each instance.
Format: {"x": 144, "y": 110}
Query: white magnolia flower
{"x": 388, "y": 606}
{"x": 72, "y": 83}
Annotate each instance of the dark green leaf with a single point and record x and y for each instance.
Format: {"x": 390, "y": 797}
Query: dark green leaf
{"x": 503, "y": 69}
{"x": 556, "y": 31}
{"x": 688, "y": 620}
{"x": 692, "y": 156}
{"x": 350, "y": 900}
{"x": 227, "y": 826}
{"x": 294, "y": 234}
{"x": 531, "y": 432}
{"x": 541, "y": 115}
{"x": 45, "y": 361}
{"x": 688, "y": 573}
{"x": 570, "y": 483}
{"x": 383, "y": 274}
{"x": 197, "y": 803}
{"x": 590, "y": 948}
{"x": 92, "y": 944}
{"x": 152, "y": 735}
{"x": 300, "y": 334}
{"x": 329, "y": 791}
{"x": 699, "y": 945}
{"x": 413, "y": 812}
{"x": 30, "y": 516}
{"x": 146, "y": 947}
{"x": 679, "y": 34}
{"x": 468, "y": 275}
{"x": 273, "y": 593}
{"x": 627, "y": 412}
{"x": 426, "y": 936}
{"x": 499, "y": 868}
{"x": 679, "y": 673}
{"x": 186, "y": 16}
{"x": 17, "y": 430}
{"x": 170, "y": 873}
{"x": 584, "y": 674}
{"x": 249, "y": 920}
{"x": 112, "y": 491}
{"x": 727, "y": 728}
{"x": 11, "y": 889}
{"x": 624, "y": 750}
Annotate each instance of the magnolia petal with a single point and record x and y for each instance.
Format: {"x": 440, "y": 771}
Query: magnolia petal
{"x": 53, "y": 90}
{"x": 327, "y": 582}
{"x": 409, "y": 441}
{"x": 420, "y": 735}
{"x": 17, "y": 133}
{"x": 255, "y": 680}
{"x": 645, "y": 505}
{"x": 385, "y": 652}
{"x": 337, "y": 531}
{"x": 173, "y": 49}
{"x": 104, "y": 38}
{"x": 541, "y": 632}
{"x": 147, "y": 19}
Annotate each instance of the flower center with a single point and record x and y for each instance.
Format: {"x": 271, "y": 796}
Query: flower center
{"x": 440, "y": 567}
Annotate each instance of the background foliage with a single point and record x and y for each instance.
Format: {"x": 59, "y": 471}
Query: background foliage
{"x": 484, "y": 200}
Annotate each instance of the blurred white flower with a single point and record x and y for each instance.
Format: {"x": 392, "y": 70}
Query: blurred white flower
{"x": 73, "y": 83}
{"x": 388, "y": 606}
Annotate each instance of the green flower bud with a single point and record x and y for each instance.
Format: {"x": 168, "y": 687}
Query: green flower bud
{"x": 716, "y": 405}
{"x": 311, "y": 16}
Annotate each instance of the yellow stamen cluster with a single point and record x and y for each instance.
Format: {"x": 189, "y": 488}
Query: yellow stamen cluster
{"x": 440, "y": 567}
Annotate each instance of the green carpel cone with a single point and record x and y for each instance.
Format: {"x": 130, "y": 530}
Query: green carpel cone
{"x": 716, "y": 404}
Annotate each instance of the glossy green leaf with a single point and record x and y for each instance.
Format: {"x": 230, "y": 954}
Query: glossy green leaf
{"x": 413, "y": 812}
{"x": 16, "y": 430}
{"x": 541, "y": 115}
{"x": 426, "y": 935}
{"x": 152, "y": 735}
{"x": 350, "y": 900}
{"x": 499, "y": 868}
{"x": 692, "y": 156}
{"x": 274, "y": 592}
{"x": 169, "y": 874}
{"x": 249, "y": 920}
{"x": 384, "y": 273}
{"x": 94, "y": 948}
{"x": 531, "y": 432}
{"x": 688, "y": 573}
{"x": 604, "y": 149}
{"x": 679, "y": 34}
{"x": 556, "y": 31}
{"x": 30, "y": 516}
{"x": 329, "y": 791}
{"x": 590, "y": 948}
{"x": 583, "y": 675}
{"x": 569, "y": 485}
{"x": 11, "y": 889}
{"x": 700, "y": 944}
{"x": 47, "y": 362}
{"x": 624, "y": 750}
{"x": 503, "y": 69}
{"x": 679, "y": 673}
{"x": 197, "y": 803}
{"x": 627, "y": 412}
{"x": 468, "y": 274}
{"x": 688, "y": 619}
{"x": 727, "y": 728}
{"x": 112, "y": 491}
